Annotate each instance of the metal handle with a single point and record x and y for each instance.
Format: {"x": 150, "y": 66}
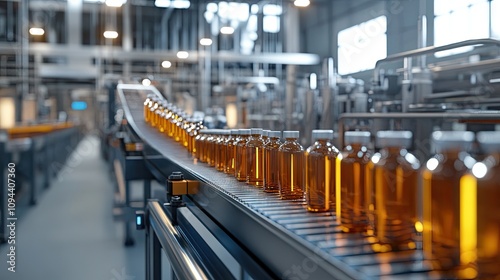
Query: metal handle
{"x": 183, "y": 263}
{"x": 432, "y": 49}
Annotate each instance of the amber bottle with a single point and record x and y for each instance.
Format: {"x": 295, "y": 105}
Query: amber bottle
{"x": 291, "y": 176}
{"x": 240, "y": 160}
{"x": 255, "y": 158}
{"x": 487, "y": 173}
{"x": 230, "y": 151}
{"x": 320, "y": 171}
{"x": 351, "y": 199}
{"x": 447, "y": 197}
{"x": 395, "y": 192}
{"x": 220, "y": 150}
{"x": 271, "y": 165}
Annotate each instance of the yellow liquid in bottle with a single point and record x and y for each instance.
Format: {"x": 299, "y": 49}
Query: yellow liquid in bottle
{"x": 271, "y": 155}
{"x": 255, "y": 161}
{"x": 146, "y": 109}
{"x": 240, "y": 167}
{"x": 395, "y": 201}
{"x": 210, "y": 151}
{"x": 220, "y": 153}
{"x": 488, "y": 220}
{"x": 291, "y": 176}
{"x": 320, "y": 175}
{"x": 353, "y": 209}
{"x": 441, "y": 210}
{"x": 230, "y": 150}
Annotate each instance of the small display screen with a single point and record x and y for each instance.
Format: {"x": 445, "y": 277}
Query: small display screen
{"x": 79, "y": 105}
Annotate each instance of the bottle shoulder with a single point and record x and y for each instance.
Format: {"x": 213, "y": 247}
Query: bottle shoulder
{"x": 289, "y": 146}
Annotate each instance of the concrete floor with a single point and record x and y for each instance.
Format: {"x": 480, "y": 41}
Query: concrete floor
{"x": 70, "y": 233}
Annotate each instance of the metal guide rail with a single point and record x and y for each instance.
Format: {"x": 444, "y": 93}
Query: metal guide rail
{"x": 283, "y": 235}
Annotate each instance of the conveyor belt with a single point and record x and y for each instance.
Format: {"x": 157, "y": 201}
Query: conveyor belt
{"x": 282, "y": 234}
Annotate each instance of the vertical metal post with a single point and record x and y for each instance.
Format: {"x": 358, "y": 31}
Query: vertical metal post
{"x": 111, "y": 104}
{"x": 31, "y": 171}
{"x": 289, "y": 95}
{"x": 129, "y": 241}
{"x": 127, "y": 38}
{"x": 156, "y": 273}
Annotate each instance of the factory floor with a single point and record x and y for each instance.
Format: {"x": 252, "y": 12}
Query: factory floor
{"x": 70, "y": 233}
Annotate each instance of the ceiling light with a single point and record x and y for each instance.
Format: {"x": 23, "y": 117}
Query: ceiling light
{"x": 110, "y": 34}
{"x": 206, "y": 42}
{"x": 176, "y": 4}
{"x": 37, "y": 31}
{"x": 301, "y": 3}
{"x": 182, "y": 55}
{"x": 212, "y": 7}
{"x": 146, "y": 82}
{"x": 115, "y": 3}
{"x": 227, "y": 30}
{"x": 166, "y": 64}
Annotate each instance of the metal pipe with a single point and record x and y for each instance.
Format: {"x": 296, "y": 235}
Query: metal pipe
{"x": 430, "y": 50}
{"x": 183, "y": 262}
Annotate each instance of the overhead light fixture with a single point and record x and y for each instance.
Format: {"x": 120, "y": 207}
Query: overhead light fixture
{"x": 206, "y": 41}
{"x": 146, "y": 82}
{"x": 166, "y": 64}
{"x": 37, "y": 31}
{"x": 182, "y": 54}
{"x": 176, "y": 4}
{"x": 301, "y": 3}
{"x": 108, "y": 34}
{"x": 115, "y": 3}
{"x": 228, "y": 30}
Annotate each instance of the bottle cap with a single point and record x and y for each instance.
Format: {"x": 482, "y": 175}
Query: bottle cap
{"x": 322, "y": 134}
{"x": 225, "y": 132}
{"x": 489, "y": 141}
{"x": 274, "y": 134}
{"x": 452, "y": 140}
{"x": 391, "y": 138}
{"x": 357, "y": 137}
{"x": 265, "y": 133}
{"x": 235, "y": 132}
{"x": 256, "y": 131}
{"x": 290, "y": 134}
{"x": 245, "y": 131}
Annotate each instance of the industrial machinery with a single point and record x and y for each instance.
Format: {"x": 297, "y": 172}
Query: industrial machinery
{"x": 214, "y": 227}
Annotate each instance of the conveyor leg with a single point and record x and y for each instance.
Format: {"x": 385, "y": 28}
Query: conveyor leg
{"x": 147, "y": 192}
{"x": 31, "y": 175}
{"x": 46, "y": 170}
{"x": 129, "y": 240}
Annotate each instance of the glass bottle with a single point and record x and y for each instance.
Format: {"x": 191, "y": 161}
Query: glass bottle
{"x": 147, "y": 106}
{"x": 152, "y": 111}
{"x": 160, "y": 114}
{"x": 487, "y": 173}
{"x": 201, "y": 145}
{"x": 320, "y": 171}
{"x": 351, "y": 199}
{"x": 255, "y": 158}
{"x": 220, "y": 150}
{"x": 198, "y": 142}
{"x": 240, "y": 160}
{"x": 230, "y": 151}
{"x": 445, "y": 179}
{"x": 291, "y": 176}
{"x": 210, "y": 147}
{"x": 271, "y": 157}
{"x": 395, "y": 188}
{"x": 172, "y": 120}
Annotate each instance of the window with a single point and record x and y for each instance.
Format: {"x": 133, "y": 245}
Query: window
{"x": 460, "y": 20}
{"x": 360, "y": 46}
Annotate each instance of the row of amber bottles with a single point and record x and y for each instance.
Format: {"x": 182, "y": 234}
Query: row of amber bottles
{"x": 461, "y": 215}
{"x": 376, "y": 193}
{"x": 172, "y": 121}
